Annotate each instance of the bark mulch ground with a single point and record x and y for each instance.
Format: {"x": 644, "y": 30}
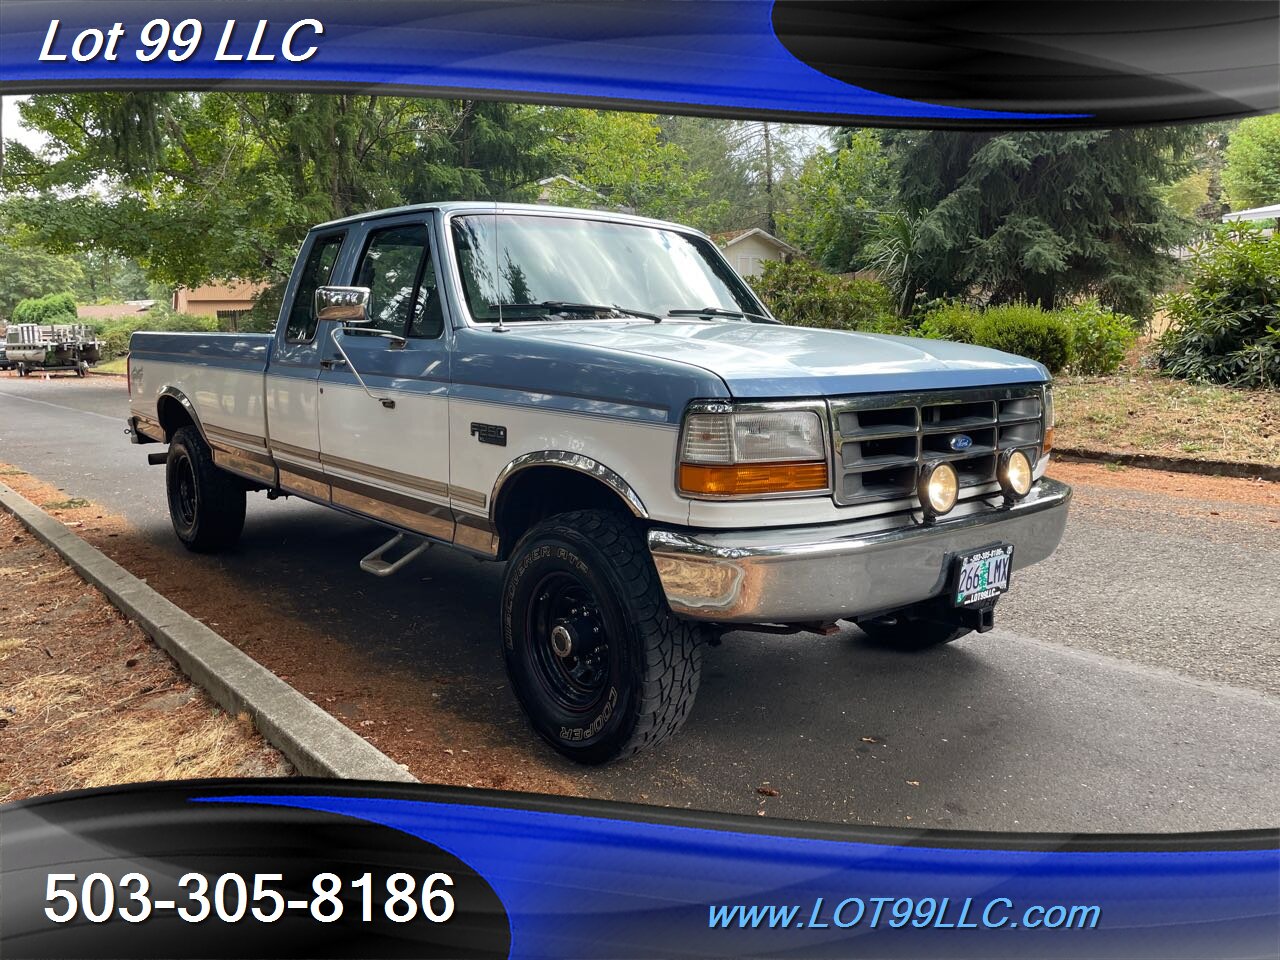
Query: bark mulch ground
{"x": 87, "y": 700}
{"x": 402, "y": 715}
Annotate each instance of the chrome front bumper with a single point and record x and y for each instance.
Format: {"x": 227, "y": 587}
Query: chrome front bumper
{"x": 838, "y": 571}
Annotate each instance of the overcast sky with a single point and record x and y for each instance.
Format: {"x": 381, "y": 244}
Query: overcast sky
{"x": 11, "y": 129}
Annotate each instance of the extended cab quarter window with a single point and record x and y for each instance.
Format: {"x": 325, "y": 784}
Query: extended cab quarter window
{"x": 397, "y": 269}
{"x": 315, "y": 274}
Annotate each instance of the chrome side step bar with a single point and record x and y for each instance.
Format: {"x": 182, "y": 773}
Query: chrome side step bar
{"x": 379, "y": 567}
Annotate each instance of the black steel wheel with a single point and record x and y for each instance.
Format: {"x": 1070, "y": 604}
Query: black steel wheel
{"x": 598, "y": 661}
{"x": 571, "y": 642}
{"x": 206, "y": 504}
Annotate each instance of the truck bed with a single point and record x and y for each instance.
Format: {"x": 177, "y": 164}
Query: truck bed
{"x": 220, "y": 374}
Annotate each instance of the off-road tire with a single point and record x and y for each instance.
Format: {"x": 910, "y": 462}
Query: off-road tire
{"x": 903, "y": 631}
{"x": 206, "y": 504}
{"x": 648, "y": 675}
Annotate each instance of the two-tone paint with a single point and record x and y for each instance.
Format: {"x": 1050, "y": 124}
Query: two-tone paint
{"x": 602, "y": 397}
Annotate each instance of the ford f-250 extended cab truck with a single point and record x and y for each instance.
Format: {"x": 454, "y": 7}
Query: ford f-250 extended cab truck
{"x": 601, "y": 402}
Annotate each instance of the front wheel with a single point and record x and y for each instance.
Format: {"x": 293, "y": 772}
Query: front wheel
{"x": 600, "y": 664}
{"x": 206, "y": 504}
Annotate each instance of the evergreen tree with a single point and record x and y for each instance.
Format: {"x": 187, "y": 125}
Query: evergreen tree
{"x": 1044, "y": 216}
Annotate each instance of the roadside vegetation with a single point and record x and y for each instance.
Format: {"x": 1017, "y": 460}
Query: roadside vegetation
{"x": 1225, "y": 327}
{"x": 115, "y": 333}
{"x": 1140, "y": 412}
{"x": 56, "y": 308}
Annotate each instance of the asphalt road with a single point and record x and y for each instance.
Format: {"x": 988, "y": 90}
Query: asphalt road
{"x": 1133, "y": 683}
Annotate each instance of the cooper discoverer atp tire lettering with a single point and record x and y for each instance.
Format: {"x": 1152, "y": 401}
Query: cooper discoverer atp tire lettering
{"x": 599, "y": 662}
{"x": 206, "y": 504}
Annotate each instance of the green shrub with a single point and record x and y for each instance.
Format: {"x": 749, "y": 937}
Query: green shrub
{"x": 802, "y": 295}
{"x": 1225, "y": 328}
{"x": 115, "y": 333}
{"x": 950, "y": 321}
{"x": 1100, "y": 338}
{"x": 51, "y": 308}
{"x": 1016, "y": 328}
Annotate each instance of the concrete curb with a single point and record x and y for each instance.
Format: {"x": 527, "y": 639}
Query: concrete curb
{"x": 1208, "y": 468}
{"x": 314, "y": 742}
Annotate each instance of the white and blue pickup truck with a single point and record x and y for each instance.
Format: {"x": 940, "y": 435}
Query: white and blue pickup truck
{"x": 599, "y": 401}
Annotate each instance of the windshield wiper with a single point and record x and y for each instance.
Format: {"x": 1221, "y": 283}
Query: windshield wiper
{"x": 720, "y": 312}
{"x": 551, "y": 307}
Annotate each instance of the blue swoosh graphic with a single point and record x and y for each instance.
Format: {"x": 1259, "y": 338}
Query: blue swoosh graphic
{"x": 576, "y": 885}
{"x": 713, "y": 55}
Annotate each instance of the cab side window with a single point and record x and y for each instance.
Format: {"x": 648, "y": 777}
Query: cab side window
{"x": 396, "y": 267}
{"x": 315, "y": 274}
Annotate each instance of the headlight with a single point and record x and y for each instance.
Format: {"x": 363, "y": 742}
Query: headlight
{"x": 1048, "y": 419}
{"x": 938, "y": 488}
{"x": 751, "y": 453}
{"x": 1014, "y": 474}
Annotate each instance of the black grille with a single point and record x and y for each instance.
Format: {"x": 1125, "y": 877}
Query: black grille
{"x": 881, "y": 440}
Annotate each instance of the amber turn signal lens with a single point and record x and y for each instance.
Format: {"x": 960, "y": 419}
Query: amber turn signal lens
{"x": 746, "y": 479}
{"x": 1048, "y": 439}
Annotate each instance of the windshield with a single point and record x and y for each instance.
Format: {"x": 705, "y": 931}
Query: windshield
{"x": 545, "y": 260}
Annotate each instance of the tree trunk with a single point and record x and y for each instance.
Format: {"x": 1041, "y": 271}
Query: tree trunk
{"x": 770, "y": 202}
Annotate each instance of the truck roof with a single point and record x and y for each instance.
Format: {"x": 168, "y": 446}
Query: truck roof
{"x": 489, "y": 206}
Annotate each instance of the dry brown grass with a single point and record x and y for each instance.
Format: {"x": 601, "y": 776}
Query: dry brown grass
{"x": 183, "y": 745}
{"x": 86, "y": 699}
{"x": 1140, "y": 412}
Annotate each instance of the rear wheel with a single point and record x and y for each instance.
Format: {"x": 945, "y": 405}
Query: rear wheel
{"x": 600, "y": 664}
{"x": 903, "y": 631}
{"x": 206, "y": 504}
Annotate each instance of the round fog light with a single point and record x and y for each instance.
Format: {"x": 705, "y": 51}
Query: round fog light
{"x": 938, "y": 489}
{"x": 1015, "y": 474}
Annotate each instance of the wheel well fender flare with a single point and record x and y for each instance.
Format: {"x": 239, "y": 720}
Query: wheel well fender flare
{"x": 164, "y": 399}
{"x": 571, "y": 461}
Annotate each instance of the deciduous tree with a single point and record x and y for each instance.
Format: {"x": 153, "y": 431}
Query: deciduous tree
{"x": 1252, "y": 173}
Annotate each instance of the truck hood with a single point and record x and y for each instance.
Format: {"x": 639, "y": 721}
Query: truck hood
{"x": 763, "y": 360}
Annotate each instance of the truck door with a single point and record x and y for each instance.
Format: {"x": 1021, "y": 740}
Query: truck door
{"x": 292, "y": 389}
{"x": 385, "y": 443}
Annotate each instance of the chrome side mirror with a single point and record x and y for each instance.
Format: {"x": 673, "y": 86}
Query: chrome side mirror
{"x": 348, "y": 306}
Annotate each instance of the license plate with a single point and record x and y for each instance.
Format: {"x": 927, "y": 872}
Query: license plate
{"x": 981, "y": 575}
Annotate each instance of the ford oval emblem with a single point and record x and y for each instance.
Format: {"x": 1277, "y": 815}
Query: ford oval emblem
{"x": 961, "y": 442}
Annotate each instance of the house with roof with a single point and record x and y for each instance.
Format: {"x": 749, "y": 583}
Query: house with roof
{"x": 101, "y": 312}
{"x": 227, "y": 301}
{"x": 748, "y": 250}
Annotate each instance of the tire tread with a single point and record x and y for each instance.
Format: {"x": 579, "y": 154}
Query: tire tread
{"x": 671, "y": 656}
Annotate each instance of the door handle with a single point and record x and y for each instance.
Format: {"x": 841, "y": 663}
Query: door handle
{"x": 346, "y": 361}
{"x": 332, "y": 363}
